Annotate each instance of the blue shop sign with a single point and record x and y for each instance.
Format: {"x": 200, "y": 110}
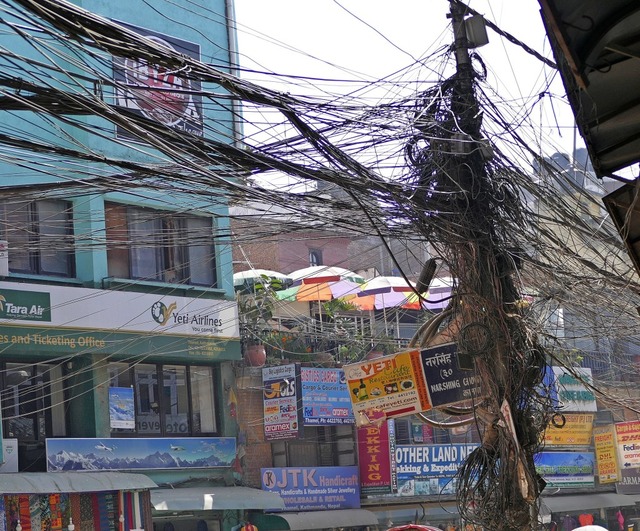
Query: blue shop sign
{"x": 314, "y": 488}
{"x": 325, "y": 397}
{"x": 429, "y": 469}
{"x": 431, "y": 460}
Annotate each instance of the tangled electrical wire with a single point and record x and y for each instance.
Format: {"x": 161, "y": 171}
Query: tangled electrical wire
{"x": 529, "y": 247}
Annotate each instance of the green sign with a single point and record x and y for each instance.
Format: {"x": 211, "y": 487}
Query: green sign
{"x": 25, "y": 305}
{"x": 16, "y": 339}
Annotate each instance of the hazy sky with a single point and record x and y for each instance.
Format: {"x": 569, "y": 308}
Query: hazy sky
{"x": 358, "y": 41}
{"x": 371, "y": 39}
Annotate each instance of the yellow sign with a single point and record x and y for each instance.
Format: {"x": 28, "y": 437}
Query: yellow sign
{"x": 387, "y": 387}
{"x": 604, "y": 442}
{"x": 577, "y": 431}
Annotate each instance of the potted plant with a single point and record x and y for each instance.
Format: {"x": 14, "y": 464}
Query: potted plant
{"x": 255, "y": 312}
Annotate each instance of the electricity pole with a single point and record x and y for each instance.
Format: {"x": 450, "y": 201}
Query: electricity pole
{"x": 470, "y": 214}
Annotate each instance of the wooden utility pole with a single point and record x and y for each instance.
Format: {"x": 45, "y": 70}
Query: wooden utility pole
{"x": 498, "y": 486}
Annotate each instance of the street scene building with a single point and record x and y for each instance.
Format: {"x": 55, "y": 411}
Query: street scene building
{"x": 444, "y": 336}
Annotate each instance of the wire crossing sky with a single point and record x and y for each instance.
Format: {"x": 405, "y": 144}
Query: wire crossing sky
{"x": 362, "y": 129}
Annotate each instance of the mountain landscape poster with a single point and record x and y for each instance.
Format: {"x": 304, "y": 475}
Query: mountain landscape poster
{"x": 139, "y": 453}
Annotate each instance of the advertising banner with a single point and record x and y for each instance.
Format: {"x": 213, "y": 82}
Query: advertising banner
{"x": 314, "y": 489}
{"x": 572, "y": 394}
{"x": 629, "y": 481}
{"x": 376, "y": 458}
{"x": 604, "y": 442}
{"x": 139, "y": 453}
{"x": 325, "y": 397}
{"x": 429, "y": 469}
{"x": 73, "y": 320}
{"x": 577, "y": 431}
{"x": 566, "y": 469}
{"x": 387, "y": 387}
{"x": 446, "y": 383}
{"x": 281, "y": 394}
{"x": 156, "y": 93}
{"x": 628, "y": 440}
{"x": 122, "y": 408}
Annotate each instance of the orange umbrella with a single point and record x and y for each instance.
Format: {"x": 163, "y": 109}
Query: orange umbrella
{"x": 384, "y": 292}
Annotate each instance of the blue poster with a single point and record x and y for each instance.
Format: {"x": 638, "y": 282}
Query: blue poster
{"x": 429, "y": 469}
{"x": 139, "y": 454}
{"x": 446, "y": 382}
{"x": 314, "y": 489}
{"x": 281, "y": 402}
{"x": 325, "y": 397}
{"x": 122, "y": 408}
{"x": 566, "y": 469}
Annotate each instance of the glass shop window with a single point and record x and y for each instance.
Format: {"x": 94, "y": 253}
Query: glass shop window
{"x": 170, "y": 400}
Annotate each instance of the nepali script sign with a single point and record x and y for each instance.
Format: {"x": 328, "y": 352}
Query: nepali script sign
{"x": 446, "y": 383}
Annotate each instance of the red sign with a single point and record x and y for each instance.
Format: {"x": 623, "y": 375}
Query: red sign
{"x": 375, "y": 459}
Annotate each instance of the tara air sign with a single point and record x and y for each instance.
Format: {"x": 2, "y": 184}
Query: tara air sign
{"x": 25, "y": 305}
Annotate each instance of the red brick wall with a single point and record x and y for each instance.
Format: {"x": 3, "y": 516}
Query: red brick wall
{"x": 294, "y": 252}
{"x": 251, "y": 426}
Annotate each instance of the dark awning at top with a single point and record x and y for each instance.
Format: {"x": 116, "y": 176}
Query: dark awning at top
{"x": 596, "y": 44}
{"x": 586, "y": 502}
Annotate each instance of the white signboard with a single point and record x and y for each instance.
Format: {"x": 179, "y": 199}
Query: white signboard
{"x": 99, "y": 310}
{"x": 10, "y": 451}
{"x": 573, "y": 395}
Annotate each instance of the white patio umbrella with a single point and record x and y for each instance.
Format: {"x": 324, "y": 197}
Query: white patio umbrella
{"x": 384, "y": 292}
{"x": 317, "y": 274}
{"x": 254, "y": 277}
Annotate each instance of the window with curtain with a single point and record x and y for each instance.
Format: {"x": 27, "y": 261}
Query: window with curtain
{"x": 40, "y": 236}
{"x": 157, "y": 245}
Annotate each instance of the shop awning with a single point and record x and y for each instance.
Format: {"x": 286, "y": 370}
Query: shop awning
{"x": 54, "y": 482}
{"x": 315, "y": 520}
{"x": 581, "y": 502}
{"x": 214, "y": 498}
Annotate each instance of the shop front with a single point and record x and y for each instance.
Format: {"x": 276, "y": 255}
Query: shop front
{"x": 91, "y": 501}
{"x": 608, "y": 509}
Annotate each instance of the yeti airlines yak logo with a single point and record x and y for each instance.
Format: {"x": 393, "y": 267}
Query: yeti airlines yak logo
{"x": 162, "y": 313}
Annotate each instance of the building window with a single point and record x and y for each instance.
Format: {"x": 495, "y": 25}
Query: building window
{"x": 321, "y": 446}
{"x": 33, "y": 408}
{"x": 40, "y": 236}
{"x": 147, "y": 244}
{"x": 315, "y": 257}
{"x": 182, "y": 405}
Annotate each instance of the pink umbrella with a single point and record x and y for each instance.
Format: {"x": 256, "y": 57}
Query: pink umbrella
{"x": 384, "y": 292}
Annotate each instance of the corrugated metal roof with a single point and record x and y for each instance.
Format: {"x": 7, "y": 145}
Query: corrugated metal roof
{"x": 597, "y": 47}
{"x": 54, "y": 482}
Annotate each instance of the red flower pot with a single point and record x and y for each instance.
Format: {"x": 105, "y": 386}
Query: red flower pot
{"x": 255, "y": 355}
